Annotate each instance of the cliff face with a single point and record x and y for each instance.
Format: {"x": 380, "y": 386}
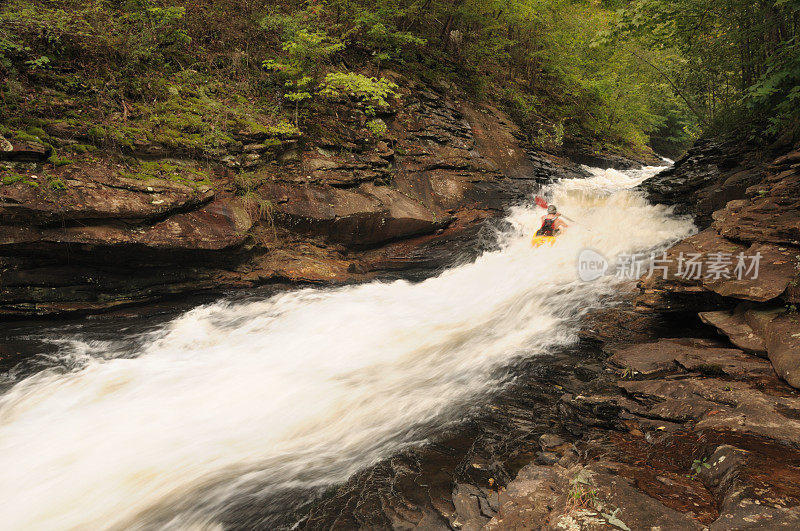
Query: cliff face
{"x": 712, "y": 173}
{"x": 757, "y": 312}
{"x": 338, "y": 204}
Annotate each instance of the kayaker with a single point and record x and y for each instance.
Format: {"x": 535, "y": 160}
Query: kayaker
{"x": 552, "y": 224}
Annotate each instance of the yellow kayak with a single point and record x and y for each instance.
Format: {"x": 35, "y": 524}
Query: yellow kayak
{"x": 538, "y": 241}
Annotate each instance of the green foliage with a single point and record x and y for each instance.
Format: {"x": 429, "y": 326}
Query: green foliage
{"x": 283, "y": 129}
{"x": 582, "y": 493}
{"x": 377, "y": 30}
{"x": 359, "y": 87}
{"x": 730, "y": 56}
{"x": 698, "y": 465}
{"x": 377, "y": 127}
{"x": 775, "y": 96}
{"x": 304, "y": 53}
{"x": 620, "y": 74}
{"x": 256, "y": 206}
{"x": 38, "y": 62}
{"x": 550, "y": 137}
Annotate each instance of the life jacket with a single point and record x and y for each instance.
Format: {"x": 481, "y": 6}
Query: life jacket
{"x": 548, "y": 228}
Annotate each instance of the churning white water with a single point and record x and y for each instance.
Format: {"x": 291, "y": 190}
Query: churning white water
{"x": 305, "y": 388}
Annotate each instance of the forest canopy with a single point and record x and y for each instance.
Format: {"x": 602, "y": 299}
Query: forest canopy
{"x": 618, "y": 74}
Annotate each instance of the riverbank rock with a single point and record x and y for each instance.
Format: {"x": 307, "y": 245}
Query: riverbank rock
{"x": 758, "y": 221}
{"x": 712, "y": 173}
{"x": 342, "y": 205}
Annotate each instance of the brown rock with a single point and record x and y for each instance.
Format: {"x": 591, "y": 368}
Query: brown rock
{"x": 469, "y": 516}
{"x": 367, "y": 216}
{"x": 539, "y": 498}
{"x": 776, "y": 272}
{"x": 669, "y": 355}
{"x": 725, "y": 406}
{"x": 93, "y": 193}
{"x": 219, "y": 225}
{"x": 771, "y": 215}
{"x": 783, "y": 347}
{"x": 25, "y": 152}
{"x": 530, "y": 499}
{"x": 735, "y": 327}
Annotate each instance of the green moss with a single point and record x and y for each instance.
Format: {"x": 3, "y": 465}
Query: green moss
{"x": 272, "y": 142}
{"x": 283, "y": 129}
{"x": 37, "y": 132}
{"x": 57, "y": 161}
{"x": 11, "y": 178}
{"x": 57, "y": 184}
{"x": 377, "y": 127}
{"x": 81, "y": 148}
{"x": 26, "y": 137}
{"x": 128, "y": 136}
{"x": 97, "y": 132}
{"x": 181, "y": 173}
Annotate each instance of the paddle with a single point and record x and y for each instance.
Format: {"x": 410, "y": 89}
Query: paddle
{"x": 542, "y": 203}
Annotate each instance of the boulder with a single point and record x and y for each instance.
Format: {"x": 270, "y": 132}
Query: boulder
{"x": 671, "y": 289}
{"x": 718, "y": 405}
{"x": 529, "y": 500}
{"x": 771, "y": 213}
{"x": 702, "y": 355}
{"x": 734, "y": 325}
{"x": 591, "y": 497}
{"x": 219, "y": 225}
{"x": 469, "y": 515}
{"x": 21, "y": 151}
{"x": 712, "y": 173}
{"x": 783, "y": 347}
{"x": 363, "y": 217}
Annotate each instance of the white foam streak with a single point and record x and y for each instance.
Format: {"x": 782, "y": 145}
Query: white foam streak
{"x": 305, "y": 388}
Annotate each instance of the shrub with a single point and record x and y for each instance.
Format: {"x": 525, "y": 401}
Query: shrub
{"x": 358, "y": 86}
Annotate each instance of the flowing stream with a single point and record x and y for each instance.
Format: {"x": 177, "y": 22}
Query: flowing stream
{"x": 168, "y": 428}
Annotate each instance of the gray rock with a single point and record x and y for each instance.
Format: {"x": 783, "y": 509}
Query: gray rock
{"x": 546, "y": 458}
{"x": 548, "y": 441}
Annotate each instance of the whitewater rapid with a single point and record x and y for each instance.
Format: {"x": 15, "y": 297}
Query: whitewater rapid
{"x": 301, "y": 390}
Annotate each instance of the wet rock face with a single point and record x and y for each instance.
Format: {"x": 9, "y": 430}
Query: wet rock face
{"x": 755, "y": 310}
{"x": 712, "y": 173}
{"x": 338, "y": 206}
{"x": 446, "y": 158}
{"x": 770, "y": 212}
{"x": 94, "y": 193}
{"x": 776, "y": 271}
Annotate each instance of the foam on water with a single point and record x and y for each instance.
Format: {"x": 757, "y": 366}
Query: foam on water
{"x": 305, "y": 388}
